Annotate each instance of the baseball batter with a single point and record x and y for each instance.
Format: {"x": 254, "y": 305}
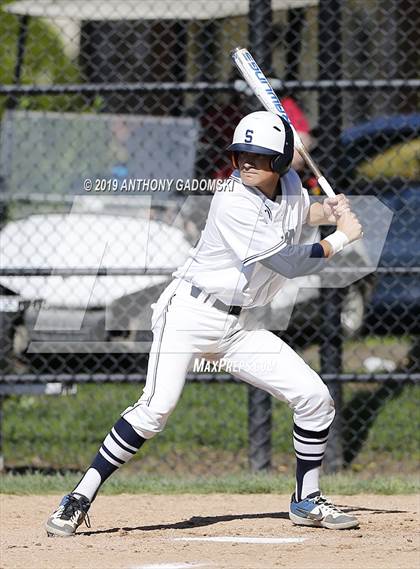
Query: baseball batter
{"x": 247, "y": 250}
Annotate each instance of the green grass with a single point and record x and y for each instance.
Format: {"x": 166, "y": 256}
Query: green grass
{"x": 350, "y": 484}
{"x": 66, "y": 431}
{"x": 209, "y": 427}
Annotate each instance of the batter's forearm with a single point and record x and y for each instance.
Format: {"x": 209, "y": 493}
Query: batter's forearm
{"x": 316, "y": 216}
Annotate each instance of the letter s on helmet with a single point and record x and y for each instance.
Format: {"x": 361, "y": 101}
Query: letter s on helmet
{"x": 264, "y": 133}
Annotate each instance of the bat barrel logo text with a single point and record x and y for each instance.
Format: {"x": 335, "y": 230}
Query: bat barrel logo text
{"x": 268, "y": 88}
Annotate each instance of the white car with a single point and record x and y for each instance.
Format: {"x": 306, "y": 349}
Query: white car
{"x": 63, "y": 310}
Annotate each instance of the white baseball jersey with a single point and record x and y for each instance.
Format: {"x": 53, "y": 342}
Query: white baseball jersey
{"x": 243, "y": 227}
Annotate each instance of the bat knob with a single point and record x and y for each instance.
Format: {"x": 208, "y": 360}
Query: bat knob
{"x": 232, "y": 53}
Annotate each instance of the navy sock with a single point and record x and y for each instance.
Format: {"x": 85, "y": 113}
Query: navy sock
{"x": 310, "y": 449}
{"x": 121, "y": 444}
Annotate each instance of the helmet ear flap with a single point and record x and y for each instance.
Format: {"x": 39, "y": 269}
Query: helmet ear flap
{"x": 280, "y": 165}
{"x": 281, "y": 162}
{"x": 273, "y": 163}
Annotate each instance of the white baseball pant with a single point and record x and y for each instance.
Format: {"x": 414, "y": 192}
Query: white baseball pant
{"x": 185, "y": 327}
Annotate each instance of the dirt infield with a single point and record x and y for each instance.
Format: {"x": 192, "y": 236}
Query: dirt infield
{"x": 141, "y": 531}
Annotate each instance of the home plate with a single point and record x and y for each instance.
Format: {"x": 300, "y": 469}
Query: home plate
{"x": 231, "y": 539}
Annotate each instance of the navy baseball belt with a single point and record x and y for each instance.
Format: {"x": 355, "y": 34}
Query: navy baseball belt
{"x": 235, "y": 310}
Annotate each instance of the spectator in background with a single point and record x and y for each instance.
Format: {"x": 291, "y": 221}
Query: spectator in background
{"x": 301, "y": 123}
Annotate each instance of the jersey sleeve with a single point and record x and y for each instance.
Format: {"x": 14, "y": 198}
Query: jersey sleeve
{"x": 242, "y": 227}
{"x": 297, "y": 260}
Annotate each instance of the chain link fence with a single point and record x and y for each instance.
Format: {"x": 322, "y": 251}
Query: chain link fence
{"x": 102, "y": 105}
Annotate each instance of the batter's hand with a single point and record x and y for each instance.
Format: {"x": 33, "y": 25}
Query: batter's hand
{"x": 335, "y": 207}
{"x": 350, "y": 225}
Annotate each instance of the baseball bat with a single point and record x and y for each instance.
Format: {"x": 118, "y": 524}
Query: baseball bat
{"x": 261, "y": 87}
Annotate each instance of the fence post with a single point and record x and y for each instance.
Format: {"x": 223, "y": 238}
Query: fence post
{"x": 6, "y": 319}
{"x": 259, "y": 402}
{"x": 331, "y": 363}
{"x": 330, "y": 122}
{"x": 259, "y": 429}
{"x": 1, "y": 435}
{"x": 7, "y": 323}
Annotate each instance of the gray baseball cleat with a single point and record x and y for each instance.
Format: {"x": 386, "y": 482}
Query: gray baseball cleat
{"x": 317, "y": 511}
{"x": 71, "y": 512}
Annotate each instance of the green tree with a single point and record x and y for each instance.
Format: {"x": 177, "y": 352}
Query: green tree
{"x": 45, "y": 63}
